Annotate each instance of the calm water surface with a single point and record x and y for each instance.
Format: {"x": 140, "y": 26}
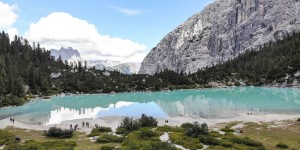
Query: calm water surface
{"x": 206, "y": 103}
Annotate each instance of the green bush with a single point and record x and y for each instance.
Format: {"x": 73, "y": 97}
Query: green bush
{"x": 226, "y": 143}
{"x": 147, "y": 121}
{"x": 209, "y": 140}
{"x": 195, "y": 129}
{"x": 166, "y": 128}
{"x": 98, "y": 131}
{"x": 226, "y": 129}
{"x": 145, "y": 139}
{"x": 146, "y": 134}
{"x": 59, "y": 133}
{"x": 106, "y": 147}
{"x": 246, "y": 141}
{"x": 108, "y": 138}
{"x": 130, "y": 124}
{"x": 215, "y": 134}
{"x": 5, "y": 136}
{"x": 185, "y": 141}
{"x": 282, "y": 145}
{"x": 104, "y": 129}
{"x": 121, "y": 130}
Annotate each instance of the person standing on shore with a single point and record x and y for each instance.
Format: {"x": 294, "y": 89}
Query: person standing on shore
{"x": 82, "y": 124}
{"x": 13, "y": 120}
{"x": 71, "y": 126}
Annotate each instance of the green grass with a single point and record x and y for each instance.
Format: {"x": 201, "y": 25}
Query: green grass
{"x": 270, "y": 137}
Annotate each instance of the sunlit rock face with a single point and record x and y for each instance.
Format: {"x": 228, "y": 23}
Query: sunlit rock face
{"x": 223, "y": 30}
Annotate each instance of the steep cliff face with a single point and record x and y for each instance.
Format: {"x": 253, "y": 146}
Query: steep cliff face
{"x": 223, "y": 30}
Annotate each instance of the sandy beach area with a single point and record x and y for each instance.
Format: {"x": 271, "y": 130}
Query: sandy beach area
{"x": 115, "y": 121}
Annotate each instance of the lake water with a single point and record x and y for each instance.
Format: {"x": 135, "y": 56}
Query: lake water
{"x": 202, "y": 103}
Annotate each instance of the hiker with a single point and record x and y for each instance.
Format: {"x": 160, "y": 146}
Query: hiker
{"x": 13, "y": 120}
{"x": 71, "y": 126}
{"x": 10, "y": 119}
{"x": 87, "y": 124}
{"x": 96, "y": 125}
{"x": 76, "y": 126}
{"x": 82, "y": 124}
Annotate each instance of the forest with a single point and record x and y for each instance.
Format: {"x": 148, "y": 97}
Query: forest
{"x": 26, "y": 71}
{"x": 274, "y": 63}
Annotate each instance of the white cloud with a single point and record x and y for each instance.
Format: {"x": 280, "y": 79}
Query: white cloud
{"x": 127, "y": 11}
{"x": 61, "y": 29}
{"x": 8, "y": 17}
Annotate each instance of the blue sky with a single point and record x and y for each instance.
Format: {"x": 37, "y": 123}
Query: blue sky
{"x": 143, "y": 22}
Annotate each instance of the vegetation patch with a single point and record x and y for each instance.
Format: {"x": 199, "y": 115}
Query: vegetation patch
{"x": 185, "y": 141}
{"x": 166, "y": 128}
{"x": 59, "y": 133}
{"x": 282, "y": 145}
{"x": 100, "y": 130}
{"x": 195, "y": 129}
{"x": 48, "y": 145}
{"x": 145, "y": 138}
{"x": 108, "y": 138}
{"x": 227, "y": 129}
{"x": 5, "y": 137}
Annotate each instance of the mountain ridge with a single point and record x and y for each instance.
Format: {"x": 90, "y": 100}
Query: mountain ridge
{"x": 73, "y": 56}
{"x": 221, "y": 31}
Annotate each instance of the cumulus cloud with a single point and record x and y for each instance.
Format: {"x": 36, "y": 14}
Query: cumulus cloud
{"x": 8, "y": 17}
{"x": 127, "y": 11}
{"x": 61, "y": 29}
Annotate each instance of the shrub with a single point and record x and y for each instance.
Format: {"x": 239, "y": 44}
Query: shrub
{"x": 59, "y": 133}
{"x": 146, "y": 134}
{"x": 226, "y": 129}
{"x": 195, "y": 129}
{"x": 121, "y": 130}
{"x": 185, "y": 141}
{"x": 146, "y": 121}
{"x": 5, "y": 136}
{"x": 106, "y": 147}
{"x": 298, "y": 119}
{"x": 226, "y": 143}
{"x": 107, "y": 138}
{"x": 209, "y": 140}
{"x": 246, "y": 141}
{"x": 215, "y": 134}
{"x": 104, "y": 129}
{"x": 166, "y": 128}
{"x": 282, "y": 145}
{"x": 130, "y": 124}
{"x": 99, "y": 130}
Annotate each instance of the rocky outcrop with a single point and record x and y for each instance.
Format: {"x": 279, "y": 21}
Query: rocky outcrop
{"x": 222, "y": 31}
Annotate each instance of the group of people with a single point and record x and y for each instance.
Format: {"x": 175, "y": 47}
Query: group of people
{"x": 75, "y": 127}
{"x": 12, "y": 120}
{"x": 249, "y": 114}
{"x": 166, "y": 121}
{"x": 87, "y": 124}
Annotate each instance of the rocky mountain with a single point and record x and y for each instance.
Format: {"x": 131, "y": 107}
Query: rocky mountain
{"x": 126, "y": 68}
{"x": 72, "y": 55}
{"x": 69, "y": 54}
{"x": 221, "y": 31}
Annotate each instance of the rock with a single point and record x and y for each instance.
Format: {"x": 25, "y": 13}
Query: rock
{"x": 221, "y": 31}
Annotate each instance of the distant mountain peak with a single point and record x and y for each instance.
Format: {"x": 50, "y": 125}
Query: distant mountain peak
{"x": 73, "y": 56}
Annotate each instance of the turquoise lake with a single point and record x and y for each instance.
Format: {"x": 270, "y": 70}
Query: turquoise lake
{"x": 202, "y": 103}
